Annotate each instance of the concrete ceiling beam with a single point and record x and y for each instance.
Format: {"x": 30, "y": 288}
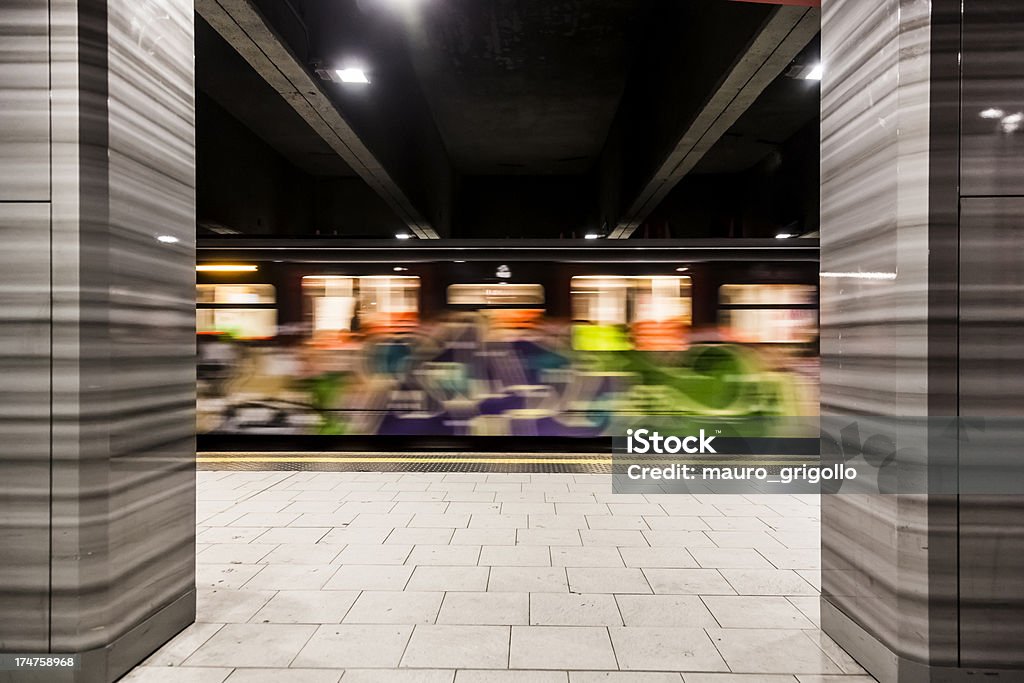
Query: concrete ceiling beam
{"x": 241, "y": 24}
{"x": 786, "y": 32}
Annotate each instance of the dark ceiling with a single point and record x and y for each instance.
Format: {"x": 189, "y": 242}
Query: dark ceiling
{"x": 472, "y": 88}
{"x": 525, "y": 87}
{"x": 227, "y": 79}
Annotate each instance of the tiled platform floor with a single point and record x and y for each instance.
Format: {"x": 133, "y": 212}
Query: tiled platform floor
{"x": 316, "y": 577}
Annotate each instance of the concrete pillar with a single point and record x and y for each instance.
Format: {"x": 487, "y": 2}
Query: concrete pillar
{"x": 923, "y": 266}
{"x": 97, "y": 374}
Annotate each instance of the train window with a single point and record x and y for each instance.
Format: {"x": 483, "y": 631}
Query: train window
{"x": 339, "y": 304}
{"x": 235, "y": 294}
{"x": 503, "y": 294}
{"x": 655, "y": 310}
{"x": 242, "y": 311}
{"x": 769, "y": 314}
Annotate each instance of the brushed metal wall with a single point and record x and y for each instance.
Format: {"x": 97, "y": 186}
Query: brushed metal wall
{"x": 97, "y": 328}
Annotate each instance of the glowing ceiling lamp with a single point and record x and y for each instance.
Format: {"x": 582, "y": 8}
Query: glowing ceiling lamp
{"x": 352, "y": 75}
{"x": 226, "y": 268}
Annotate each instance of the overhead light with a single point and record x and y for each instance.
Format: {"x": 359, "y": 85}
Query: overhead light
{"x": 167, "y": 239}
{"x": 591, "y": 236}
{"x": 226, "y": 268}
{"x": 816, "y": 72}
{"x": 503, "y": 272}
{"x": 399, "y": 269}
{"x": 402, "y": 236}
{"x": 681, "y": 270}
{"x": 352, "y": 75}
{"x": 459, "y": 261}
{"x": 992, "y": 113}
{"x": 785, "y": 235}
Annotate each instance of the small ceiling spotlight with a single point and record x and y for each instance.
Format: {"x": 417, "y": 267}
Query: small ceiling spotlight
{"x": 399, "y": 269}
{"x": 591, "y": 236}
{"x": 402, "y": 236}
{"x": 167, "y": 239}
{"x": 992, "y": 113}
{"x": 815, "y": 73}
{"x": 785, "y": 235}
{"x": 682, "y": 270}
{"x": 352, "y": 75}
{"x": 503, "y": 272}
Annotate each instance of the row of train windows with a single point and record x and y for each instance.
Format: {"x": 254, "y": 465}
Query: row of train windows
{"x": 757, "y": 313}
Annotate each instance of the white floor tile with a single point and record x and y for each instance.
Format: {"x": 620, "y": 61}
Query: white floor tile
{"x": 181, "y": 646}
{"x": 665, "y": 649}
{"x": 669, "y": 558}
{"x": 354, "y": 646}
{"x": 227, "y": 606}
{"x": 247, "y": 645}
{"x": 370, "y": 577}
{"x": 586, "y": 556}
{"x": 687, "y": 611}
{"x": 420, "y": 537}
{"x": 497, "y": 676}
{"x": 768, "y": 582}
{"x": 607, "y": 580}
{"x": 234, "y": 553}
{"x": 528, "y": 579}
{"x": 688, "y": 582}
{"x": 444, "y": 555}
{"x": 448, "y": 579}
{"x": 761, "y": 611}
{"x": 306, "y": 607}
{"x": 281, "y": 577}
{"x": 302, "y": 553}
{"x": 284, "y": 676}
{"x": 458, "y": 647}
{"x": 166, "y": 674}
{"x": 561, "y": 647}
{"x": 515, "y": 556}
{"x": 571, "y": 609}
{"x": 730, "y": 558}
{"x": 771, "y": 651}
{"x": 399, "y": 676}
{"x": 485, "y": 609}
{"x": 395, "y": 607}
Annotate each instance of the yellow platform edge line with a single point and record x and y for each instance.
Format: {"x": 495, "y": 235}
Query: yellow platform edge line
{"x": 500, "y": 461}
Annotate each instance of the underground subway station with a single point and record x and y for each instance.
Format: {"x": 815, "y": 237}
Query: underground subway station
{"x": 511, "y": 341}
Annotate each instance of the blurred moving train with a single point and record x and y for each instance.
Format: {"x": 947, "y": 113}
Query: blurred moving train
{"x": 541, "y": 339}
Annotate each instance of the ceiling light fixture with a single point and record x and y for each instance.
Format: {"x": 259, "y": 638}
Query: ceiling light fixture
{"x": 681, "y": 270}
{"x": 167, "y": 239}
{"x": 784, "y": 235}
{"x": 226, "y": 268}
{"x": 992, "y": 113}
{"x": 402, "y": 236}
{"x": 399, "y": 269}
{"x": 591, "y": 236}
{"x": 816, "y": 72}
{"x": 352, "y": 75}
